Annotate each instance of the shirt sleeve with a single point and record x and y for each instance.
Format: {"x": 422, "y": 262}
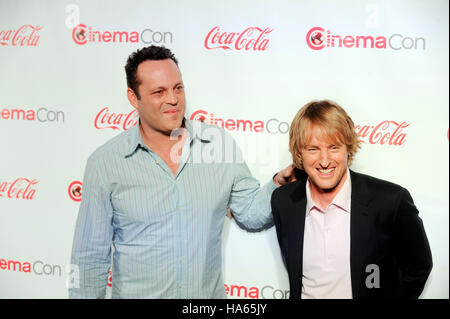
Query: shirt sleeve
{"x": 249, "y": 202}
{"x": 91, "y": 251}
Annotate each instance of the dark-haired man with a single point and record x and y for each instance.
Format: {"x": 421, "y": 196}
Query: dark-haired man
{"x": 152, "y": 195}
{"x": 342, "y": 234}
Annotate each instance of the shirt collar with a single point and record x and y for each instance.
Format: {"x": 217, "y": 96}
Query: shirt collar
{"x": 135, "y": 140}
{"x": 341, "y": 200}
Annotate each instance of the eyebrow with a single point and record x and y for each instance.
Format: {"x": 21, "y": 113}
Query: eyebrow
{"x": 163, "y": 88}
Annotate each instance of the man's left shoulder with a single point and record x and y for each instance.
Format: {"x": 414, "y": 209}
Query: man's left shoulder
{"x": 376, "y": 186}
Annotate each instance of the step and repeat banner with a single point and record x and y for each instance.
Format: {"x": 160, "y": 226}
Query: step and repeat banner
{"x": 248, "y": 66}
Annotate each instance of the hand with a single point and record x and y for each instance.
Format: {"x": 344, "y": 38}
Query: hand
{"x": 285, "y": 176}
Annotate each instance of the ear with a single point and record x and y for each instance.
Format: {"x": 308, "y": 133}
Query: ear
{"x": 132, "y": 98}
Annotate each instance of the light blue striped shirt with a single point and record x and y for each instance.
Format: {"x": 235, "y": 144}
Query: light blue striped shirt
{"x": 166, "y": 231}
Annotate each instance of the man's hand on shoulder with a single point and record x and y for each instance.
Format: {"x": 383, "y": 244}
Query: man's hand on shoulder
{"x": 285, "y": 176}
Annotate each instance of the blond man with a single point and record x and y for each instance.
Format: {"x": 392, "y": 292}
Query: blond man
{"x": 342, "y": 234}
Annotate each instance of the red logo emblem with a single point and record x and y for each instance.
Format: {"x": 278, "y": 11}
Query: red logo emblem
{"x": 74, "y": 190}
{"x": 315, "y": 38}
{"x": 79, "y": 34}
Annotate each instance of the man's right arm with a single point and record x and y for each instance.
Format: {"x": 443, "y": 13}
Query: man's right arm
{"x": 412, "y": 247}
{"x": 91, "y": 251}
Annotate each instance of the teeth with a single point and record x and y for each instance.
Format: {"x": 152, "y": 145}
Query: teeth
{"x": 326, "y": 171}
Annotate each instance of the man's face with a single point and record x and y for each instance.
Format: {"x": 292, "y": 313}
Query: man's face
{"x": 161, "y": 105}
{"x": 325, "y": 162}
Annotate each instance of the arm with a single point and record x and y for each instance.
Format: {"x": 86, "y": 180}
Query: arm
{"x": 249, "y": 202}
{"x": 412, "y": 248}
{"x": 91, "y": 251}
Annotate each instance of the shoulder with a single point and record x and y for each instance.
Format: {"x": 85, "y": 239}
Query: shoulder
{"x": 116, "y": 147}
{"x": 376, "y": 190}
{"x": 374, "y": 183}
{"x": 206, "y": 131}
{"x": 289, "y": 192}
{"x": 287, "y": 189}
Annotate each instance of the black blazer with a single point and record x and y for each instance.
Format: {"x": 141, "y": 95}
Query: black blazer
{"x": 385, "y": 230}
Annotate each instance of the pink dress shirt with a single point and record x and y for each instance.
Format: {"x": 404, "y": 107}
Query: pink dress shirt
{"x": 326, "y": 247}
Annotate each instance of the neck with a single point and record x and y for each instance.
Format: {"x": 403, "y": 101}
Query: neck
{"x": 324, "y": 197}
{"x": 158, "y": 141}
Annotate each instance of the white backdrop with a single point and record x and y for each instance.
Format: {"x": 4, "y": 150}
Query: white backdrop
{"x": 61, "y": 71}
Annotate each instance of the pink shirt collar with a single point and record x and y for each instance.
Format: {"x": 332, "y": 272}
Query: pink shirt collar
{"x": 342, "y": 200}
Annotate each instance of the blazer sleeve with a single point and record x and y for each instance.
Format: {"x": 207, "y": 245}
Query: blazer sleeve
{"x": 412, "y": 248}
{"x": 281, "y": 233}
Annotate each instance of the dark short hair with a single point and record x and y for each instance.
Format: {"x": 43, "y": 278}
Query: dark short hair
{"x": 152, "y": 52}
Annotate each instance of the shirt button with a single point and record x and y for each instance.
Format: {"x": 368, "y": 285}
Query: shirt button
{"x": 179, "y": 286}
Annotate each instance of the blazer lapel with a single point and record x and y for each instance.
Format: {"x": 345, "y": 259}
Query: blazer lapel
{"x": 296, "y": 231}
{"x": 359, "y": 230}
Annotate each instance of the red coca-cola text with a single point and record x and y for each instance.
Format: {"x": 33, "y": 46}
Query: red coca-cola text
{"x": 115, "y": 121}
{"x": 21, "y": 188}
{"x": 387, "y": 132}
{"x": 26, "y": 35}
{"x": 252, "y": 38}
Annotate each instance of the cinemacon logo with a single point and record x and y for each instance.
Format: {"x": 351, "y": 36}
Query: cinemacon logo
{"x": 83, "y": 34}
{"x": 242, "y": 291}
{"x": 266, "y": 292}
{"x": 42, "y": 114}
{"x": 26, "y": 35}
{"x": 38, "y": 267}
{"x": 318, "y": 38}
{"x": 250, "y": 39}
{"x": 20, "y": 188}
{"x": 271, "y": 126}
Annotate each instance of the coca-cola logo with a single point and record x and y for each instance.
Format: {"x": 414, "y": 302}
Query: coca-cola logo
{"x": 26, "y": 35}
{"x": 21, "y": 188}
{"x": 386, "y": 132}
{"x": 116, "y": 121}
{"x": 250, "y": 39}
{"x": 318, "y": 38}
{"x": 74, "y": 190}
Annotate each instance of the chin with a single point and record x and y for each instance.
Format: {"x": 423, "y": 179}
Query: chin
{"x": 326, "y": 187}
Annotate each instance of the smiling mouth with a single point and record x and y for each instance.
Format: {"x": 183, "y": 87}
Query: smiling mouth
{"x": 326, "y": 171}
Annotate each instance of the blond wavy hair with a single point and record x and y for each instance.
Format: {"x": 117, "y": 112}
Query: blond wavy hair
{"x": 334, "y": 122}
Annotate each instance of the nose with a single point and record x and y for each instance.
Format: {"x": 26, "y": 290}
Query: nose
{"x": 172, "y": 98}
{"x": 324, "y": 160}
